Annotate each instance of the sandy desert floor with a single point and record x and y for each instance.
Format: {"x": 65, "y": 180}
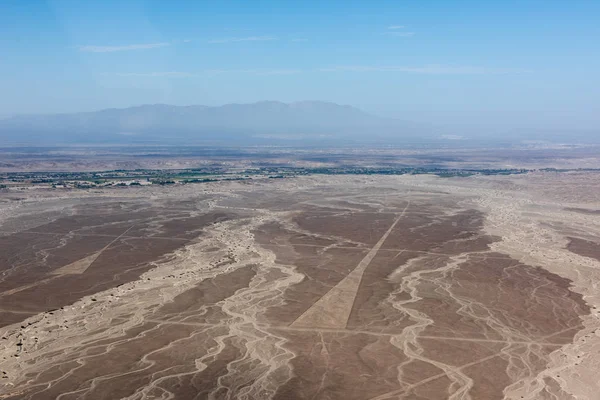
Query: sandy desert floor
{"x": 329, "y": 287}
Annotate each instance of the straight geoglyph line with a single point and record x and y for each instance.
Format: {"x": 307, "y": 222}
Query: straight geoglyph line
{"x": 333, "y": 309}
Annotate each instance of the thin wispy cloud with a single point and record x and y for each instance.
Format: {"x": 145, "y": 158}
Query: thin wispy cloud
{"x": 206, "y": 73}
{"x": 401, "y": 34}
{"x": 433, "y": 69}
{"x": 277, "y": 72}
{"x": 427, "y": 69}
{"x": 242, "y": 39}
{"x": 255, "y": 71}
{"x": 397, "y": 30}
{"x": 174, "y": 74}
{"x": 129, "y": 47}
{"x": 299, "y": 40}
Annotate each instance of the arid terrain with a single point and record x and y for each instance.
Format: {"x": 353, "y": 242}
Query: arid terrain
{"x": 346, "y": 287}
{"x": 453, "y": 154}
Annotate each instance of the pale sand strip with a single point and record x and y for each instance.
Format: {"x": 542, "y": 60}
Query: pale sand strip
{"x": 333, "y": 309}
{"x": 77, "y": 267}
{"x": 80, "y": 266}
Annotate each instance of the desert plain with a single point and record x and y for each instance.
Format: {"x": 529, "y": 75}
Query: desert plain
{"x": 314, "y": 287}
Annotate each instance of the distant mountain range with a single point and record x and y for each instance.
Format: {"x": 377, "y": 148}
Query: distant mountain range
{"x": 234, "y": 124}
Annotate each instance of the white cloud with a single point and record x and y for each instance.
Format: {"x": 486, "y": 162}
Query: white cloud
{"x": 275, "y": 71}
{"x": 401, "y": 34}
{"x": 242, "y": 39}
{"x": 433, "y": 69}
{"x": 256, "y": 71}
{"x": 396, "y": 30}
{"x": 108, "y": 49}
{"x": 206, "y": 72}
{"x": 176, "y": 74}
{"x": 426, "y": 69}
{"x": 452, "y": 137}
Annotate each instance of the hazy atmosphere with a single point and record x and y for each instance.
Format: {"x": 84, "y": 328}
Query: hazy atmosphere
{"x": 474, "y": 66}
{"x": 299, "y": 200}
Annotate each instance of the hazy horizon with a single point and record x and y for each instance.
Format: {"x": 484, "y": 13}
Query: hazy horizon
{"x": 299, "y": 199}
{"x": 262, "y": 123}
{"x": 529, "y": 66}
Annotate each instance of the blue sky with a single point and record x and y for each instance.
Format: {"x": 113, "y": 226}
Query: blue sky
{"x": 532, "y": 64}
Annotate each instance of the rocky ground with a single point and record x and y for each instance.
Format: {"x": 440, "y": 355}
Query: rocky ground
{"x": 340, "y": 287}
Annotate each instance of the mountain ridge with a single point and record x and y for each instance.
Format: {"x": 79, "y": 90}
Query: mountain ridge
{"x": 247, "y": 122}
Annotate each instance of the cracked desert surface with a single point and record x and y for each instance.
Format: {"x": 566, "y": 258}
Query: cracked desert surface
{"x": 316, "y": 287}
